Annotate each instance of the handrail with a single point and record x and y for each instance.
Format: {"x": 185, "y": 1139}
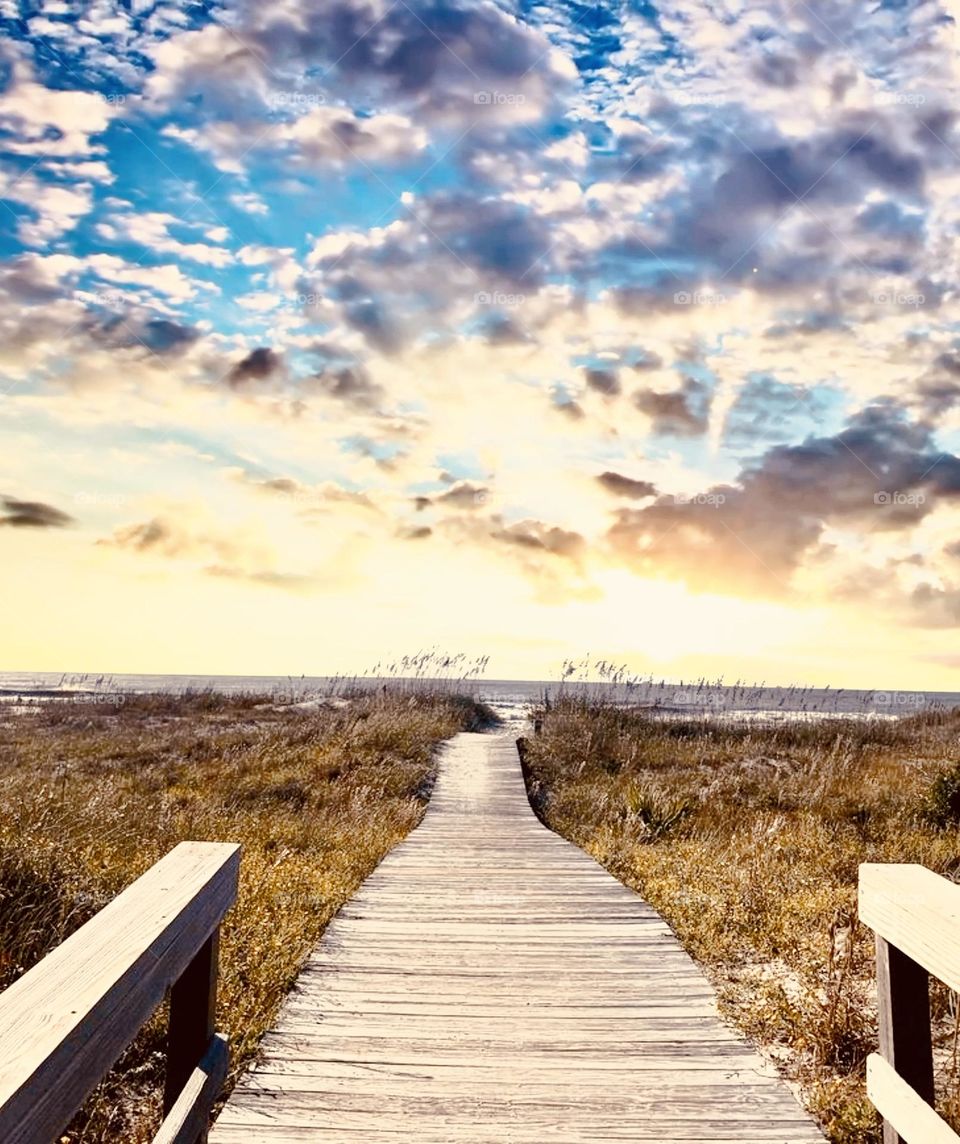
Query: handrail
{"x": 915, "y": 915}
{"x": 64, "y": 1023}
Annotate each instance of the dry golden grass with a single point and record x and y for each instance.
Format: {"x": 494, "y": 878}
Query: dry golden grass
{"x": 747, "y": 839}
{"x": 92, "y": 794}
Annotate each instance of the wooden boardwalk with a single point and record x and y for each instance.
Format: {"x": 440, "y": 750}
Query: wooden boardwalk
{"x": 490, "y": 982}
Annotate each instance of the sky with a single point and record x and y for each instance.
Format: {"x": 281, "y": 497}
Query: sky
{"x": 331, "y": 330}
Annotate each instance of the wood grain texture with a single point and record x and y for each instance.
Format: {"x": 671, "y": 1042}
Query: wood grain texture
{"x": 907, "y": 1113}
{"x": 188, "y": 1119}
{"x": 65, "y": 1022}
{"x": 917, "y": 911}
{"x": 490, "y": 982}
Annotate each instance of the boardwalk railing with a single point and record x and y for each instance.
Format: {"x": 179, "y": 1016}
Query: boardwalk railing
{"x": 915, "y": 915}
{"x": 65, "y": 1022}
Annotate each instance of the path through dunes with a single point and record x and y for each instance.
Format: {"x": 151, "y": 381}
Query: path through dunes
{"x": 490, "y": 982}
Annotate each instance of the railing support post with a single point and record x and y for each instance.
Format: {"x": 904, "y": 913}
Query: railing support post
{"x": 193, "y": 1001}
{"x": 903, "y": 1008}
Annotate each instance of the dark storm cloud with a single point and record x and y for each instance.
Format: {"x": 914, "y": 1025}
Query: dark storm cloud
{"x": 504, "y": 331}
{"x": 622, "y": 486}
{"x": 16, "y": 513}
{"x": 463, "y": 495}
{"x": 450, "y": 251}
{"x": 603, "y": 381}
{"x": 350, "y": 383}
{"x": 502, "y": 241}
{"x": 160, "y": 336}
{"x": 151, "y": 535}
{"x": 431, "y": 57}
{"x": 747, "y": 181}
{"x": 882, "y": 471}
{"x": 370, "y": 318}
{"x": 163, "y": 336}
{"x": 681, "y": 412}
{"x": 259, "y": 365}
{"x": 539, "y": 537}
{"x": 938, "y": 390}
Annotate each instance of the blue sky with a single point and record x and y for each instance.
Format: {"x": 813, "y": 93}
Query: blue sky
{"x": 335, "y": 310}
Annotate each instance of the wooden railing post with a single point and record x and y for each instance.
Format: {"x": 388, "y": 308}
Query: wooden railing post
{"x": 66, "y": 1021}
{"x": 903, "y": 1010}
{"x": 193, "y": 1001}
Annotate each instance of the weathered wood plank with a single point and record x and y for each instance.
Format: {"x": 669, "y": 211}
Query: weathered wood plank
{"x": 908, "y": 1114}
{"x": 903, "y": 1010}
{"x": 917, "y": 911}
{"x": 187, "y": 1120}
{"x": 490, "y": 982}
{"x": 72, "y": 1015}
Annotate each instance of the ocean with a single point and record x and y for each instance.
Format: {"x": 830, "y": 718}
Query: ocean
{"x": 511, "y": 698}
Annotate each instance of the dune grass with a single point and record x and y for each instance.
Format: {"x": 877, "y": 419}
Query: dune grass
{"x": 747, "y": 838}
{"x": 94, "y": 791}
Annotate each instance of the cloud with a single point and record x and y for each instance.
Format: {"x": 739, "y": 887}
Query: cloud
{"x": 463, "y": 495}
{"x": 167, "y": 278}
{"x": 350, "y": 383}
{"x": 604, "y": 381}
{"x": 55, "y": 209}
{"x": 31, "y": 514}
{"x": 622, "y": 486}
{"x": 43, "y": 121}
{"x": 882, "y": 473}
{"x": 449, "y": 63}
{"x": 539, "y": 537}
{"x": 133, "y": 330}
{"x": 682, "y": 412}
{"x": 151, "y": 229}
{"x": 211, "y": 550}
{"x": 260, "y": 364}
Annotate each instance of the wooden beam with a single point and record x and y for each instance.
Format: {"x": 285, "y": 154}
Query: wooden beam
{"x": 903, "y": 1010}
{"x": 187, "y": 1120}
{"x": 917, "y": 911}
{"x": 73, "y": 1014}
{"x": 910, "y": 1117}
{"x": 193, "y": 1002}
